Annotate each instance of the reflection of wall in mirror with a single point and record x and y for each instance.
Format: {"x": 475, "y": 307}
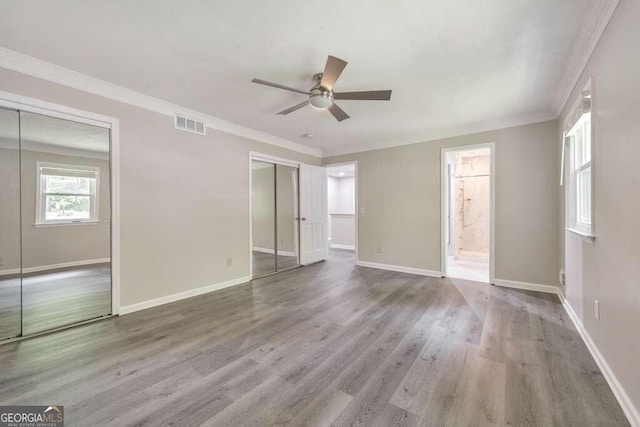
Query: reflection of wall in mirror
{"x": 57, "y": 244}
{"x": 10, "y": 207}
{"x": 263, "y": 203}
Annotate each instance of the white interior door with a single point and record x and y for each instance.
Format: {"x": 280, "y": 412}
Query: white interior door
{"x": 313, "y": 214}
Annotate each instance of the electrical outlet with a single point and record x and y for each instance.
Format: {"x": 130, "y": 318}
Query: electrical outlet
{"x": 562, "y": 278}
{"x": 229, "y": 261}
{"x": 379, "y": 249}
{"x": 1, "y": 260}
{"x": 362, "y": 211}
{"x": 596, "y": 309}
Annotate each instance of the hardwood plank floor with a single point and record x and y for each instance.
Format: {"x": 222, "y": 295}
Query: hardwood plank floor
{"x": 54, "y": 298}
{"x": 328, "y": 344}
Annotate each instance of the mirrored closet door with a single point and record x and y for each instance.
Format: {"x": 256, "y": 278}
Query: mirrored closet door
{"x": 274, "y": 217}
{"x": 56, "y": 229}
{"x": 10, "y": 290}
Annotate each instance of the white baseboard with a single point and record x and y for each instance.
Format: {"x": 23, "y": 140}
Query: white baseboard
{"x": 182, "y": 295}
{"x": 347, "y": 247}
{"x": 528, "y": 286}
{"x": 399, "y": 268}
{"x": 270, "y": 251}
{"x": 65, "y": 265}
{"x": 623, "y": 399}
{"x": 10, "y": 271}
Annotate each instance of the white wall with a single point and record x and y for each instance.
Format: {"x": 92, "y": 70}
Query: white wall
{"x": 184, "y": 197}
{"x": 609, "y": 268}
{"x": 341, "y": 193}
{"x": 472, "y": 207}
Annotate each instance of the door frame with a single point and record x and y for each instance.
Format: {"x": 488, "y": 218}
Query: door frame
{"x": 355, "y": 196}
{"x": 253, "y": 155}
{"x": 444, "y": 194}
{"x": 37, "y": 106}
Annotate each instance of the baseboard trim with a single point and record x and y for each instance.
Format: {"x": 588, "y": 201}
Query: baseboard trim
{"x": 347, "y": 247}
{"x": 10, "y": 271}
{"x": 399, "y": 268}
{"x": 127, "y": 309}
{"x": 271, "y": 251}
{"x": 528, "y": 286}
{"x": 65, "y": 265}
{"x": 618, "y": 391}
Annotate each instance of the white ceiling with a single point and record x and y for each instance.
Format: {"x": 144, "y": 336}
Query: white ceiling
{"x": 454, "y": 66}
{"x": 342, "y": 170}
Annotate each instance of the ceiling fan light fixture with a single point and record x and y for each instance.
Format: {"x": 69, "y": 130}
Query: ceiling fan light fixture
{"x": 322, "y": 100}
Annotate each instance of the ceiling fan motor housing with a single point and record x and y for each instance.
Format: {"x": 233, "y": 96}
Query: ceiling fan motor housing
{"x": 321, "y": 98}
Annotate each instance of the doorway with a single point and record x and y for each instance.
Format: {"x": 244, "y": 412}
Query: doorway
{"x": 342, "y": 207}
{"x": 468, "y": 212}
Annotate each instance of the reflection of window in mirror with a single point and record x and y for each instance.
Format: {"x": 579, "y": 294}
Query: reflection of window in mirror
{"x": 66, "y": 194}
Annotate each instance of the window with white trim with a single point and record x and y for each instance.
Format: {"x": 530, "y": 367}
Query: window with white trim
{"x": 579, "y": 168}
{"x": 66, "y": 194}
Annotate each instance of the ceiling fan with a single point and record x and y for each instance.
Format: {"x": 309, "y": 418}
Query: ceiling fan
{"x": 322, "y": 95}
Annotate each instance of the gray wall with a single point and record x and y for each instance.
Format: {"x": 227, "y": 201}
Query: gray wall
{"x": 184, "y": 197}
{"x": 61, "y": 244}
{"x": 399, "y": 189}
{"x": 263, "y": 205}
{"x": 609, "y": 269}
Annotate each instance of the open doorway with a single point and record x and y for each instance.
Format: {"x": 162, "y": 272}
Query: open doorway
{"x": 342, "y": 207}
{"x": 468, "y": 188}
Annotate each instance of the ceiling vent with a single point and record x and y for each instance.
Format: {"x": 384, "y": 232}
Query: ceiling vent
{"x": 190, "y": 125}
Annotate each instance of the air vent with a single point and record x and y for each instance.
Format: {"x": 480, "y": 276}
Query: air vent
{"x": 190, "y": 125}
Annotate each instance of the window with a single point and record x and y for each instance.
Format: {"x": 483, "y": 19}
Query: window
{"x": 579, "y": 191}
{"x": 66, "y": 194}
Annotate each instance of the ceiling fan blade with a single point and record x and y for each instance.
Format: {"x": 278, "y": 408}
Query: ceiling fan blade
{"x": 338, "y": 112}
{"x": 294, "y": 108}
{"x": 367, "y": 95}
{"x": 266, "y": 83}
{"x": 332, "y": 70}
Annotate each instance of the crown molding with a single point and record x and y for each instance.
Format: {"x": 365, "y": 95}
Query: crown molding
{"x": 44, "y": 70}
{"x": 456, "y": 131}
{"x": 597, "y": 17}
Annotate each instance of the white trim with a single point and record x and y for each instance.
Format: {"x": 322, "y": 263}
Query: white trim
{"x": 399, "y": 268}
{"x": 271, "y": 251}
{"x": 127, "y": 309}
{"x": 346, "y": 247}
{"x": 10, "y": 271}
{"x": 260, "y": 157}
{"x": 34, "y": 67}
{"x": 587, "y": 237}
{"x": 597, "y": 17}
{"x": 32, "y": 105}
{"x": 65, "y": 265}
{"x": 355, "y": 196}
{"x": 528, "y": 286}
{"x": 443, "y": 203}
{"x": 618, "y": 391}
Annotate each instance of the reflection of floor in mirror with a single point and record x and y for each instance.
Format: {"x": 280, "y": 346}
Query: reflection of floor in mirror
{"x": 264, "y": 263}
{"x": 55, "y": 298}
{"x": 470, "y": 270}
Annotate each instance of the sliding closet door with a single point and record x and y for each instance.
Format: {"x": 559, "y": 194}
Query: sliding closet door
{"x": 287, "y": 214}
{"x": 66, "y": 221}
{"x": 263, "y": 221}
{"x": 10, "y": 304}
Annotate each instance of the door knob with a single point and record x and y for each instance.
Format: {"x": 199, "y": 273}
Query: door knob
{"x": 303, "y": 218}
